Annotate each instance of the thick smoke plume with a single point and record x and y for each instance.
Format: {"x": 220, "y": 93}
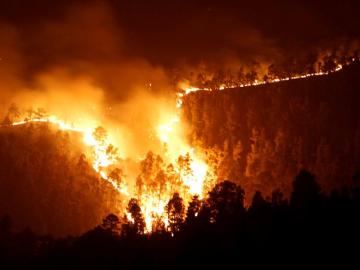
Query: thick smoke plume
{"x": 117, "y": 64}
{"x": 74, "y": 66}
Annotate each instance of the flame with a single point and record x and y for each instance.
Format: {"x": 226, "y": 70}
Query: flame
{"x": 101, "y": 159}
{"x": 177, "y": 146}
{"x": 153, "y": 209}
{"x": 153, "y": 205}
{"x": 187, "y": 89}
{"x": 195, "y": 181}
{"x": 198, "y": 172}
{"x": 190, "y": 171}
{"x": 165, "y": 129}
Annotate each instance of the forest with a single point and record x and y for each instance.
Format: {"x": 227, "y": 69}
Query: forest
{"x": 47, "y": 184}
{"x": 286, "y": 156}
{"x": 218, "y": 231}
{"x": 261, "y": 136}
{"x": 180, "y": 134}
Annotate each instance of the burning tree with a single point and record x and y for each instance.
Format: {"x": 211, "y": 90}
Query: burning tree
{"x": 135, "y": 223}
{"x": 175, "y": 210}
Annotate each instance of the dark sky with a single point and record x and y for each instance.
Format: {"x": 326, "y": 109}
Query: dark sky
{"x": 164, "y": 32}
{"x": 123, "y": 44}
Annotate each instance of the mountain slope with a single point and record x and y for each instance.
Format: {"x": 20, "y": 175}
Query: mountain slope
{"x": 47, "y": 184}
{"x": 265, "y": 134}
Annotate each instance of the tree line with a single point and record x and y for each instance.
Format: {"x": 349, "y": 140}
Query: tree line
{"x": 221, "y": 229}
{"x": 262, "y": 73}
{"x": 261, "y": 136}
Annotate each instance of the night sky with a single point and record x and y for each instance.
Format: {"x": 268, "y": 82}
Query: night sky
{"x": 139, "y": 41}
{"x": 169, "y": 32}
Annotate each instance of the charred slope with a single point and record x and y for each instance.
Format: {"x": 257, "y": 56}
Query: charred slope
{"x": 47, "y": 184}
{"x": 266, "y": 134}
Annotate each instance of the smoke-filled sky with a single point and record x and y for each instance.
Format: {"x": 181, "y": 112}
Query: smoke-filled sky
{"x": 124, "y": 45}
{"x": 164, "y": 31}
{"x": 112, "y": 63}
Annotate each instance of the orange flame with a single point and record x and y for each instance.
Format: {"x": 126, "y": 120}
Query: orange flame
{"x": 192, "y": 173}
{"x": 101, "y": 159}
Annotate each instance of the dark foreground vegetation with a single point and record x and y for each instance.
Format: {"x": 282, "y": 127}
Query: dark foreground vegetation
{"x": 217, "y": 231}
{"x": 269, "y": 133}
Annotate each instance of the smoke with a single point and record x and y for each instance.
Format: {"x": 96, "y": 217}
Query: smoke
{"x": 85, "y": 41}
{"x": 108, "y": 63}
{"x": 112, "y": 64}
{"x": 10, "y": 64}
{"x": 74, "y": 66}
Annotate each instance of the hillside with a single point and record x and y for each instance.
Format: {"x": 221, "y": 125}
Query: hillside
{"x": 47, "y": 184}
{"x": 263, "y": 135}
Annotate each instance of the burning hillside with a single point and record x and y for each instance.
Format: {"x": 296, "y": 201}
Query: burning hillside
{"x": 262, "y": 135}
{"x": 154, "y": 130}
{"x": 151, "y": 180}
{"x": 243, "y": 148}
{"x": 147, "y": 134}
{"x": 48, "y": 184}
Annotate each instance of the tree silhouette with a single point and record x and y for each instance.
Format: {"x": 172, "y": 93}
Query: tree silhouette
{"x": 277, "y": 198}
{"x": 200, "y": 80}
{"x": 258, "y": 201}
{"x": 240, "y": 77}
{"x": 306, "y": 191}
{"x": 111, "y": 224}
{"x": 137, "y": 225}
{"x": 158, "y": 226}
{"x": 175, "y": 210}
{"x": 218, "y": 79}
{"x": 251, "y": 77}
{"x": 265, "y": 230}
{"x": 193, "y": 209}
{"x": 260, "y": 209}
{"x": 226, "y": 199}
{"x": 329, "y": 63}
{"x": 5, "y": 225}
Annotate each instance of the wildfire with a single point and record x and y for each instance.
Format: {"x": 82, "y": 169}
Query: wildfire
{"x": 165, "y": 129}
{"x": 99, "y": 146}
{"x": 189, "y": 170}
{"x": 194, "y": 177}
{"x": 187, "y": 89}
{"x": 181, "y": 169}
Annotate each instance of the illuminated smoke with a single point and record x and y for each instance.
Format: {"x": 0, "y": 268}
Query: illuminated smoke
{"x": 193, "y": 176}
